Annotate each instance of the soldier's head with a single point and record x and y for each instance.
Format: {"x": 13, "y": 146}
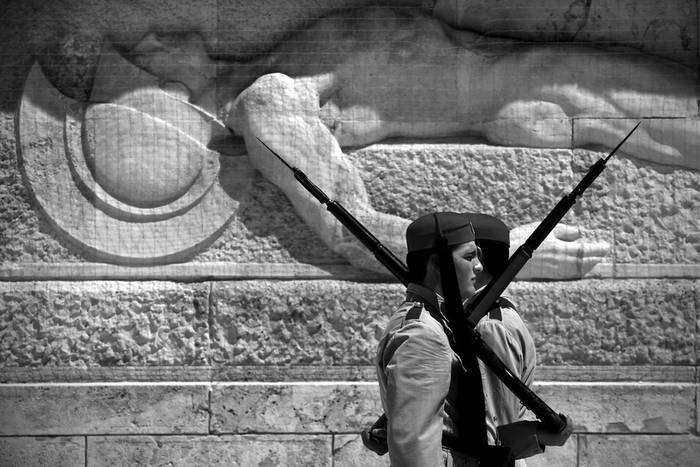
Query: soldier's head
{"x": 493, "y": 240}
{"x": 423, "y": 260}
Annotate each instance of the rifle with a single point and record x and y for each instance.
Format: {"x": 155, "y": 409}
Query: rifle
{"x": 465, "y": 326}
{"x": 382, "y": 253}
{"x": 483, "y": 302}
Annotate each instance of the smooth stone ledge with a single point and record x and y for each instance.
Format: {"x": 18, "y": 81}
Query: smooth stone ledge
{"x": 594, "y": 450}
{"x": 311, "y": 408}
{"x": 348, "y": 451}
{"x": 332, "y": 407}
{"x": 188, "y": 272}
{"x": 195, "y": 272}
{"x": 638, "y": 450}
{"x": 276, "y": 373}
{"x": 85, "y": 408}
{"x": 248, "y": 450}
{"x": 341, "y": 450}
{"x": 61, "y": 451}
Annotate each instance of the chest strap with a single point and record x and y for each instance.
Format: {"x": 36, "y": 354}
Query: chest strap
{"x": 414, "y": 312}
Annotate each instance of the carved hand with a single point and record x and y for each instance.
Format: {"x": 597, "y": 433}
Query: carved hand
{"x": 563, "y": 255}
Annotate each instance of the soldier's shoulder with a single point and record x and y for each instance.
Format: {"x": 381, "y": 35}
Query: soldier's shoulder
{"x": 414, "y": 314}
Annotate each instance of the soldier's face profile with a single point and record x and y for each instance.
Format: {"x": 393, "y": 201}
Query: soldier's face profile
{"x": 467, "y": 266}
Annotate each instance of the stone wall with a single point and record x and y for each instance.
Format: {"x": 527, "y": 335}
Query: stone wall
{"x": 234, "y": 336}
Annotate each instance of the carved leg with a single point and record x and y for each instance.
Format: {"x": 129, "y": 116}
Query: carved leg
{"x": 664, "y": 141}
{"x": 285, "y": 114}
{"x": 568, "y": 96}
{"x": 605, "y": 93}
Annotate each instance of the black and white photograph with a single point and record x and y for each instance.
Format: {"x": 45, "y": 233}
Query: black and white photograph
{"x": 349, "y": 233}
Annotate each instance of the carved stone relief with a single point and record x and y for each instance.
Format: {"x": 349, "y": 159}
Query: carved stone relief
{"x": 129, "y": 180}
{"x": 130, "y": 177}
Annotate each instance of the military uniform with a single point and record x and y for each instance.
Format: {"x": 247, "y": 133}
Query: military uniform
{"x": 419, "y": 378}
{"x": 504, "y": 331}
{"x": 437, "y": 412}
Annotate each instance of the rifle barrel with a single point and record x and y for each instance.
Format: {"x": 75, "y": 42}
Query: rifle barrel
{"x": 372, "y": 243}
{"x": 481, "y": 305}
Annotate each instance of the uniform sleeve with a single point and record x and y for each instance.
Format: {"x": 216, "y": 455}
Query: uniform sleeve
{"x": 504, "y": 411}
{"x": 417, "y": 367}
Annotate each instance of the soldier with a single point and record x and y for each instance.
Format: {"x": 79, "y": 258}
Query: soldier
{"x": 424, "y": 391}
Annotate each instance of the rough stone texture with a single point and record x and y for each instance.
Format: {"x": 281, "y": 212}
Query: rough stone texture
{"x": 42, "y": 452}
{"x": 577, "y": 323}
{"x": 348, "y": 451}
{"x": 642, "y": 451}
{"x": 522, "y": 185}
{"x": 651, "y": 211}
{"x": 244, "y": 451}
{"x": 652, "y": 408}
{"x": 410, "y": 179}
{"x": 293, "y": 408}
{"x": 103, "y": 324}
{"x": 320, "y": 323}
{"x": 103, "y": 409}
{"x": 24, "y": 235}
{"x": 631, "y": 322}
{"x": 299, "y": 323}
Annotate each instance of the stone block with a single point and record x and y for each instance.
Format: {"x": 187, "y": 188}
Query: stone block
{"x": 640, "y": 408}
{"x": 253, "y": 450}
{"x": 559, "y": 456}
{"x": 624, "y": 408}
{"x": 59, "y": 451}
{"x": 293, "y": 408}
{"x": 641, "y": 451}
{"x": 590, "y": 322}
{"x": 319, "y": 323}
{"x": 408, "y": 179}
{"x": 68, "y": 409}
{"x": 619, "y": 322}
{"x": 640, "y": 231}
{"x": 348, "y": 451}
{"x": 521, "y": 185}
{"x": 299, "y": 322}
{"x": 83, "y": 324}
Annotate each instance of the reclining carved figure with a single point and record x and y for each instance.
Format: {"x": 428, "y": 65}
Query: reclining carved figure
{"x": 364, "y": 75}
